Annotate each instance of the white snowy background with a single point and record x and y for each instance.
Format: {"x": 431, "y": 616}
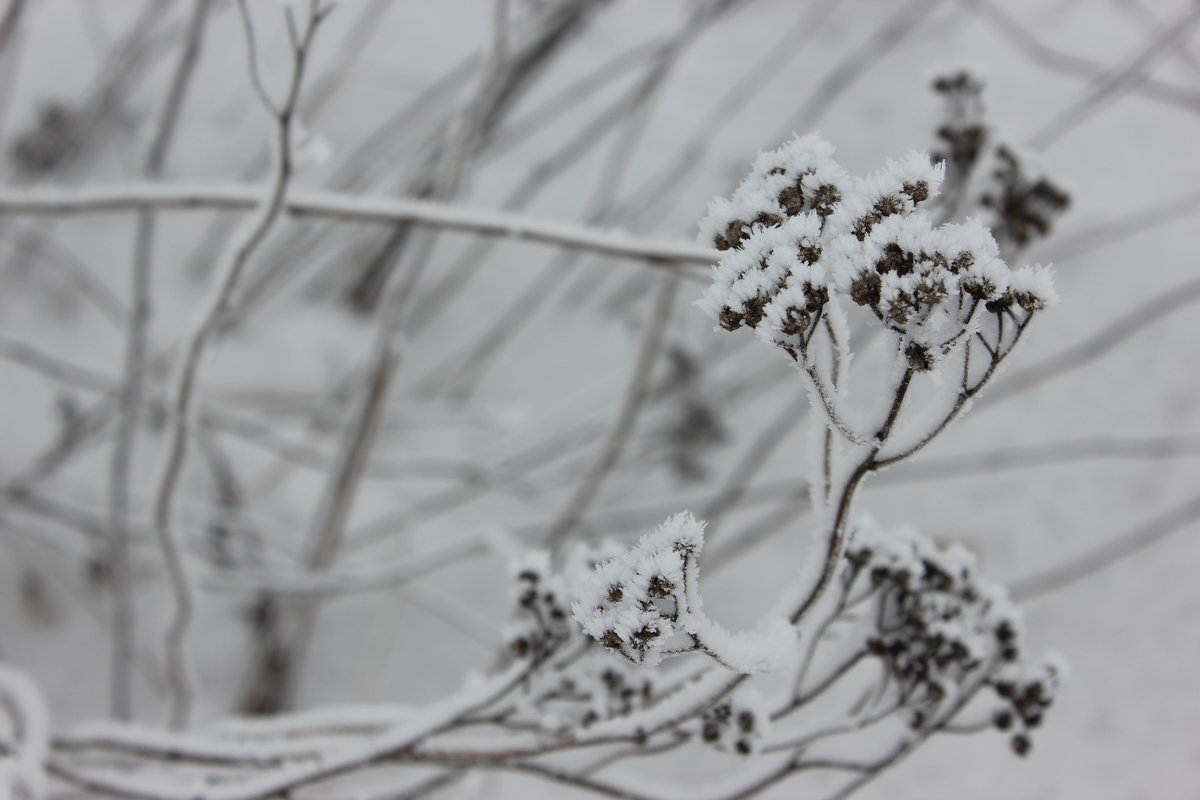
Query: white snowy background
{"x": 1078, "y": 83}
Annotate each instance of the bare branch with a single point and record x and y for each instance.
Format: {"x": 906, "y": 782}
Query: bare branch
{"x": 1111, "y": 552}
{"x": 229, "y": 274}
{"x": 97, "y": 199}
{"x": 1168, "y": 38}
{"x": 135, "y": 373}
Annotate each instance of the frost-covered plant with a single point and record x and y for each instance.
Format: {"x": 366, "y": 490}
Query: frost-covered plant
{"x": 800, "y": 234}
{"x": 881, "y": 640}
{"x": 803, "y": 244}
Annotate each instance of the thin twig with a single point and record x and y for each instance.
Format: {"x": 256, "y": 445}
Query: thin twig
{"x": 123, "y": 624}
{"x": 32, "y": 241}
{"x": 855, "y": 63}
{"x": 230, "y": 272}
{"x": 753, "y": 460}
{"x": 1165, "y": 41}
{"x": 1111, "y": 552}
{"x": 1127, "y": 225}
{"x": 634, "y": 111}
{"x": 8, "y": 23}
{"x": 1110, "y": 335}
{"x": 1008, "y": 27}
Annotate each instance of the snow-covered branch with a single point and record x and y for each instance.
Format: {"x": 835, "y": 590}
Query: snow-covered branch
{"x": 331, "y": 205}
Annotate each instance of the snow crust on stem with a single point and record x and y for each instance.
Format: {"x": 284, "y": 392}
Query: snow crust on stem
{"x": 25, "y": 739}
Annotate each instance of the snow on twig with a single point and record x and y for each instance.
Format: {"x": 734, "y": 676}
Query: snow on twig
{"x": 345, "y": 207}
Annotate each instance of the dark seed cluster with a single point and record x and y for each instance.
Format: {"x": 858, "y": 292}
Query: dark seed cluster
{"x": 1021, "y": 205}
{"x": 939, "y": 628}
{"x": 799, "y": 232}
{"x": 1026, "y": 698}
{"x": 542, "y": 621}
{"x": 963, "y": 137}
{"x": 736, "y": 726}
{"x": 1024, "y": 205}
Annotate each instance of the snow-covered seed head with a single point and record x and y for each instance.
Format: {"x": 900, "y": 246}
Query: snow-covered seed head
{"x": 633, "y": 603}
{"x": 799, "y": 232}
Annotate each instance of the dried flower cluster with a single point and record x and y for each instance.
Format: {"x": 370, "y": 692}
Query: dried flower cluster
{"x": 1018, "y": 203}
{"x": 1024, "y": 202}
{"x": 963, "y": 135}
{"x": 940, "y": 627}
{"x": 543, "y": 607}
{"x": 950, "y": 643}
{"x": 1027, "y": 692}
{"x": 638, "y": 603}
{"x": 799, "y": 232}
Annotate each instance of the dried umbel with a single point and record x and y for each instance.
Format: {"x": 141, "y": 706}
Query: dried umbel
{"x": 985, "y": 175}
{"x": 799, "y": 234}
{"x": 942, "y": 630}
{"x": 950, "y": 643}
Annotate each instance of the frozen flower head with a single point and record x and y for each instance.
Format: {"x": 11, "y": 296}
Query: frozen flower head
{"x": 798, "y": 179}
{"x": 637, "y": 603}
{"x": 799, "y": 233}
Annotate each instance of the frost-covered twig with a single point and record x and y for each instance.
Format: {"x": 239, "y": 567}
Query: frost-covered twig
{"x": 348, "y": 581}
{"x": 24, "y": 736}
{"x": 338, "y": 206}
{"x": 541, "y": 175}
{"x": 8, "y": 22}
{"x": 632, "y": 111}
{"x": 32, "y": 241}
{"x": 754, "y": 459}
{"x": 942, "y": 634}
{"x": 907, "y": 630}
{"x": 855, "y": 63}
{"x": 279, "y": 662}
